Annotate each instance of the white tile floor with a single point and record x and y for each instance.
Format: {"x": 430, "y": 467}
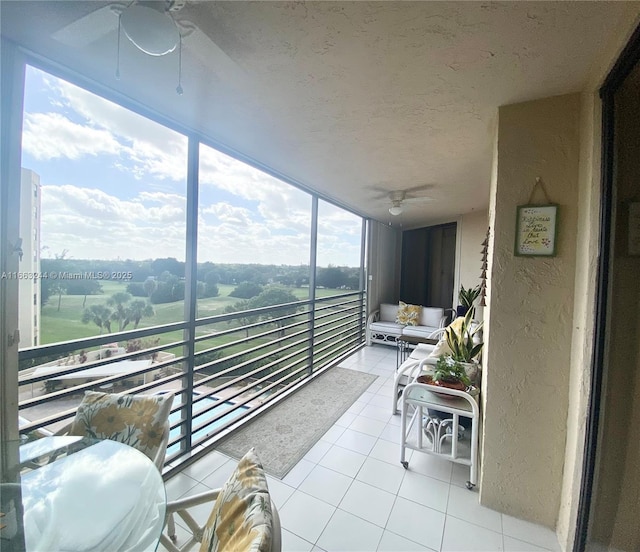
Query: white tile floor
{"x": 350, "y": 492}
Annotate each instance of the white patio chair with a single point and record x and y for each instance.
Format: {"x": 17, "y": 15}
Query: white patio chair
{"x": 144, "y": 420}
{"x": 243, "y": 517}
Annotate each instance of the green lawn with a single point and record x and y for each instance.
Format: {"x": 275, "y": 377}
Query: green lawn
{"x": 65, "y": 324}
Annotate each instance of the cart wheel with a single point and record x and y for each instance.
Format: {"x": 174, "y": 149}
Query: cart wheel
{"x": 469, "y": 485}
{"x": 405, "y": 465}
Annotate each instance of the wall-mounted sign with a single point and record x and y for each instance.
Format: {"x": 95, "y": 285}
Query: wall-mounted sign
{"x": 536, "y": 230}
{"x": 634, "y": 228}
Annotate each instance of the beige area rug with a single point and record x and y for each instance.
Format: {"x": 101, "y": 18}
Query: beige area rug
{"x": 287, "y": 431}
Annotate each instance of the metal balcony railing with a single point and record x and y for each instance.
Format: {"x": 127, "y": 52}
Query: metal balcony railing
{"x": 221, "y": 368}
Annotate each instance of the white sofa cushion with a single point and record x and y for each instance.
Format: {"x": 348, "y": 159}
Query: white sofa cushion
{"x": 388, "y": 312}
{"x": 389, "y": 328}
{"x": 419, "y": 331}
{"x": 431, "y": 317}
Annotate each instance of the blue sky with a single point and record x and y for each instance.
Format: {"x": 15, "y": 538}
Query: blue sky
{"x": 114, "y": 186}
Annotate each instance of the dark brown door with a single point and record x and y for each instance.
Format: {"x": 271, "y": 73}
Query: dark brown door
{"x": 428, "y": 265}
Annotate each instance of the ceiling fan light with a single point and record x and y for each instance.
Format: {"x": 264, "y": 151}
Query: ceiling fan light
{"x": 395, "y": 210}
{"x": 152, "y": 31}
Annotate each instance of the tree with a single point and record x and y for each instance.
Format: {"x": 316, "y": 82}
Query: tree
{"x": 118, "y": 301}
{"x": 200, "y": 289}
{"x": 276, "y": 296}
{"x": 211, "y": 285}
{"x": 100, "y": 315}
{"x": 169, "y": 290}
{"x": 83, "y": 287}
{"x": 331, "y": 277}
{"x": 245, "y": 319}
{"x": 137, "y": 310}
{"x": 150, "y": 285}
{"x": 60, "y": 289}
{"x": 169, "y": 264}
{"x": 136, "y": 289}
{"x": 246, "y": 290}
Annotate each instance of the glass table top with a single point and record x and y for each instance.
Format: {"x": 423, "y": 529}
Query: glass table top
{"x": 78, "y": 494}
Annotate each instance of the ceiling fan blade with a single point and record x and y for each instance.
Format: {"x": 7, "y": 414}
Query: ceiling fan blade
{"x": 379, "y": 193}
{"x": 207, "y": 52}
{"x": 417, "y": 189}
{"x": 89, "y": 28}
{"x": 420, "y": 199}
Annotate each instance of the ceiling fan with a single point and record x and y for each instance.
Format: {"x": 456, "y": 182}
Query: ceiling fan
{"x": 155, "y": 27}
{"x": 398, "y": 198}
{"x": 158, "y": 15}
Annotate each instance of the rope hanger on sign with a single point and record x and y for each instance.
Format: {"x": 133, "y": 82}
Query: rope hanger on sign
{"x": 539, "y": 185}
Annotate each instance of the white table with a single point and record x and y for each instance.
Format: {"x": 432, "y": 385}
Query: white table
{"x": 436, "y": 435}
{"x": 95, "y": 496}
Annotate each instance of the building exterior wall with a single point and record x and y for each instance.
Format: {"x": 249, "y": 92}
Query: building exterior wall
{"x": 530, "y": 314}
{"x": 29, "y": 288}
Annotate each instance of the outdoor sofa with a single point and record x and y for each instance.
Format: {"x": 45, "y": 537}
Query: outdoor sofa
{"x": 390, "y": 321}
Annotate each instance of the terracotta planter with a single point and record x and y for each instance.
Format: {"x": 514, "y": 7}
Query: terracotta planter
{"x": 458, "y": 385}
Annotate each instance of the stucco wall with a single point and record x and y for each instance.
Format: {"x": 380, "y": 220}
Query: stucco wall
{"x": 528, "y": 348}
{"x": 583, "y": 315}
{"x": 586, "y": 267}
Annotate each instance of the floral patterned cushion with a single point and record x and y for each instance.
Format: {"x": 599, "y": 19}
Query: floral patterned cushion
{"x": 241, "y": 519}
{"x": 136, "y": 420}
{"x": 409, "y": 315}
{"x": 442, "y": 347}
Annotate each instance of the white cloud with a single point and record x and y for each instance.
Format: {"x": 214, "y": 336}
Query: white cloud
{"x": 93, "y": 224}
{"x": 245, "y": 215}
{"x": 229, "y": 214}
{"x": 153, "y": 148}
{"x": 51, "y": 135}
{"x": 96, "y": 126}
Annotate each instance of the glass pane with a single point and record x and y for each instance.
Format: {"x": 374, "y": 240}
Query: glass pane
{"x": 103, "y": 216}
{"x": 253, "y": 236}
{"x": 253, "y": 254}
{"x": 339, "y": 239}
{"x": 338, "y": 317}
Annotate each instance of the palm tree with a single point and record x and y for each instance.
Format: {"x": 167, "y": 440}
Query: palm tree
{"x": 118, "y": 301}
{"x": 136, "y": 311}
{"x": 100, "y": 315}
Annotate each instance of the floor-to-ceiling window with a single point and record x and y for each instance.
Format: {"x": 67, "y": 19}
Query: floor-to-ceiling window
{"x": 160, "y": 264}
{"x": 338, "y": 320}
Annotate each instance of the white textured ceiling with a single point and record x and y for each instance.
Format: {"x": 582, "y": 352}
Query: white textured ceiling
{"x": 345, "y": 97}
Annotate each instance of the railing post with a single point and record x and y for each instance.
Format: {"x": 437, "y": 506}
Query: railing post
{"x": 191, "y": 277}
{"x": 362, "y": 281}
{"x": 12, "y": 67}
{"x": 312, "y": 277}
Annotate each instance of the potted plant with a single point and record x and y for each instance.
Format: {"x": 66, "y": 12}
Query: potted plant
{"x": 464, "y": 345}
{"x": 467, "y": 297}
{"x": 450, "y": 373}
